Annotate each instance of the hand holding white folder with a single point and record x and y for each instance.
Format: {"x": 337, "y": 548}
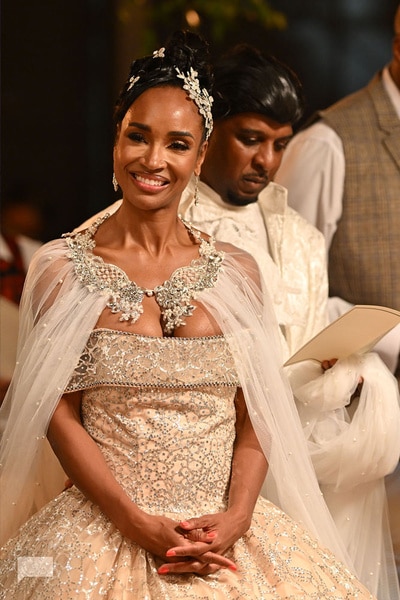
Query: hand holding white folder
{"x": 356, "y": 331}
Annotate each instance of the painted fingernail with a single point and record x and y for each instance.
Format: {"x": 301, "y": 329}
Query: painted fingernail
{"x": 184, "y": 524}
{"x": 232, "y": 567}
{"x": 212, "y": 534}
{"x": 163, "y": 570}
{"x": 170, "y": 553}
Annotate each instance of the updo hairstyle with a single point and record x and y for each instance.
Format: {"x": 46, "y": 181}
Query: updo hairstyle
{"x": 184, "y": 50}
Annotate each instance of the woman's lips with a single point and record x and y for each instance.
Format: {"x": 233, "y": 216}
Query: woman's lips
{"x": 145, "y": 180}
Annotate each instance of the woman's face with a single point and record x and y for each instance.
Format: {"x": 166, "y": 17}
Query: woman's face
{"x": 158, "y": 147}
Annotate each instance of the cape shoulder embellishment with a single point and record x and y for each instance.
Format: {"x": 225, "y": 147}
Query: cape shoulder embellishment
{"x": 174, "y": 296}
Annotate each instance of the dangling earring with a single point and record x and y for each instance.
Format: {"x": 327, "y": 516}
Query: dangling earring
{"x": 115, "y": 183}
{"x": 196, "y": 191}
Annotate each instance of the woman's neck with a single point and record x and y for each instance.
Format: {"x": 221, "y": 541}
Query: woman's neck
{"x": 153, "y": 231}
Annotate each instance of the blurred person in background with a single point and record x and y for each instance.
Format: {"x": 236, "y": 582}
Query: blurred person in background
{"x": 21, "y": 225}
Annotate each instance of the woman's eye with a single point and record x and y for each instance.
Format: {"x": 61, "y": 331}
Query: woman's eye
{"x": 178, "y": 145}
{"x": 136, "y": 137}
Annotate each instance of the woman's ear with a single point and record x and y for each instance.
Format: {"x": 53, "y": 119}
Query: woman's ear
{"x": 200, "y": 157}
{"x": 115, "y": 142}
{"x": 117, "y": 132}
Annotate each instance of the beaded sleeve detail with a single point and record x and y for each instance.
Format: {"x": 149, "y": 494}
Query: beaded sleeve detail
{"x": 174, "y": 296}
{"x": 119, "y": 358}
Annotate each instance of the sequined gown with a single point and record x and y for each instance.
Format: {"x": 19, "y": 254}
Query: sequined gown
{"x": 162, "y": 412}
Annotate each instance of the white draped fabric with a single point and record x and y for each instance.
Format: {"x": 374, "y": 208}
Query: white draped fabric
{"x": 56, "y": 317}
{"x": 353, "y": 445}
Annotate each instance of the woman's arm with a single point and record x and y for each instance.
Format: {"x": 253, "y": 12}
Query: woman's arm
{"x": 249, "y": 468}
{"x": 82, "y": 459}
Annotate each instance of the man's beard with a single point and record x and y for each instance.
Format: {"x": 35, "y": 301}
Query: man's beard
{"x": 240, "y": 200}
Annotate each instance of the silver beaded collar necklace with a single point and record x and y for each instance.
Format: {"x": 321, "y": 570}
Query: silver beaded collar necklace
{"x": 174, "y": 296}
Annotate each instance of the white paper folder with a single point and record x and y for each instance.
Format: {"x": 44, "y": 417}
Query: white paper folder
{"x": 356, "y": 331}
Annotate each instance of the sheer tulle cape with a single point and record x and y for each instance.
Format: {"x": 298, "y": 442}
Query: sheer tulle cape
{"x": 57, "y": 316}
{"x": 241, "y": 306}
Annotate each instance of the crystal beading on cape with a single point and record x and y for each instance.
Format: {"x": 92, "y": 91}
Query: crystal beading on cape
{"x": 174, "y": 296}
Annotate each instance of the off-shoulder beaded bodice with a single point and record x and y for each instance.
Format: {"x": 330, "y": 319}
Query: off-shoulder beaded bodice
{"x": 128, "y": 359}
{"x": 137, "y": 391}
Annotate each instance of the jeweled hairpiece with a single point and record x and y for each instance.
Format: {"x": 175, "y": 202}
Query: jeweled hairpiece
{"x": 191, "y": 85}
{"x": 200, "y": 97}
{"x": 132, "y": 81}
{"x": 159, "y": 53}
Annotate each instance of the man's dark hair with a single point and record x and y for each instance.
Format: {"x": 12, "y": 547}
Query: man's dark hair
{"x": 247, "y": 81}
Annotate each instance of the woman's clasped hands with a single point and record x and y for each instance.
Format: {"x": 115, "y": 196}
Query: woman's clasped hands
{"x": 205, "y": 539}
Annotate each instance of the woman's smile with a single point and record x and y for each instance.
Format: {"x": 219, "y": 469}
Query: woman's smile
{"x": 148, "y": 182}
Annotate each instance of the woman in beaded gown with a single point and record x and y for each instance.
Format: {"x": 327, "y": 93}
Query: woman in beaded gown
{"x": 150, "y": 361}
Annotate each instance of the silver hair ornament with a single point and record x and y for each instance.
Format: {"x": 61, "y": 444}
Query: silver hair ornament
{"x": 132, "y": 81}
{"x": 200, "y": 97}
{"x": 159, "y": 53}
{"x": 191, "y": 85}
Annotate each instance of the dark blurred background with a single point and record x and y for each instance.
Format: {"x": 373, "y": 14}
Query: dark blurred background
{"x": 64, "y": 62}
